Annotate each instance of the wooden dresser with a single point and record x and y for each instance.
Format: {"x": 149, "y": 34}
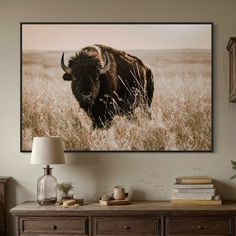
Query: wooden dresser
{"x": 3, "y": 182}
{"x": 137, "y": 219}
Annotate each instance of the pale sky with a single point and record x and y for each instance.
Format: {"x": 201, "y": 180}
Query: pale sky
{"x": 65, "y": 37}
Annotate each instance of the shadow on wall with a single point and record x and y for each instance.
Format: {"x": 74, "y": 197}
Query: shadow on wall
{"x": 224, "y": 188}
{"x": 137, "y": 194}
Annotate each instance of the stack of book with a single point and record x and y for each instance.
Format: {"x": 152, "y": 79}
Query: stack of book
{"x": 195, "y": 190}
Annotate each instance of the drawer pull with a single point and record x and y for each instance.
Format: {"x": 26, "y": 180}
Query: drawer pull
{"x": 54, "y": 227}
{"x": 200, "y": 227}
{"x": 126, "y": 227}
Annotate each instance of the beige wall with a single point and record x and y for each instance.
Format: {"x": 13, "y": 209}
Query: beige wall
{"x": 149, "y": 175}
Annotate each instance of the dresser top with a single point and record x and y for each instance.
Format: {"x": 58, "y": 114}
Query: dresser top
{"x": 4, "y": 179}
{"x": 135, "y": 208}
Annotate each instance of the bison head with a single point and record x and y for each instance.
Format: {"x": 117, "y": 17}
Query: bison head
{"x": 85, "y": 70}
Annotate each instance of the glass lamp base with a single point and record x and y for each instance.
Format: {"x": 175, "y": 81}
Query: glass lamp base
{"x": 47, "y": 188}
{"x": 48, "y": 201}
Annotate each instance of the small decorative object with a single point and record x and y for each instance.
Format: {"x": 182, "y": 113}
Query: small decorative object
{"x": 106, "y": 198}
{"x": 65, "y": 188}
{"x": 73, "y": 203}
{"x": 119, "y": 193}
{"x": 68, "y": 202}
{"x": 118, "y": 197}
{"x": 231, "y": 47}
{"x": 112, "y": 202}
{"x": 47, "y": 150}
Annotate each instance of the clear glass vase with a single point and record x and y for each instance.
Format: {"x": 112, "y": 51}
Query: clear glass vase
{"x": 47, "y": 188}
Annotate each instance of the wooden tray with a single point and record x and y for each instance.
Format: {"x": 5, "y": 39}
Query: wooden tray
{"x": 114, "y": 202}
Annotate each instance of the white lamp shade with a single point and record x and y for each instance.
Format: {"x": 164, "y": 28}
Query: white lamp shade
{"x": 47, "y": 150}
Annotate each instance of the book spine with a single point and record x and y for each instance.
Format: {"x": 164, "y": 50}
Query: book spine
{"x": 187, "y": 186}
{"x": 194, "y": 190}
{"x": 193, "y": 181}
{"x": 197, "y": 202}
{"x": 192, "y": 196}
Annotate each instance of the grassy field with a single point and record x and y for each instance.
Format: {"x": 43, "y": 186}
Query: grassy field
{"x": 181, "y": 108}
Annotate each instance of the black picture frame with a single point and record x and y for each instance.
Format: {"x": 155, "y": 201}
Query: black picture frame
{"x": 34, "y": 62}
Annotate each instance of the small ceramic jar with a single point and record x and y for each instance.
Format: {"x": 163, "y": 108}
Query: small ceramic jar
{"x": 119, "y": 193}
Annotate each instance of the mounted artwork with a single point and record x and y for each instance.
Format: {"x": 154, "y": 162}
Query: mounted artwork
{"x": 118, "y": 86}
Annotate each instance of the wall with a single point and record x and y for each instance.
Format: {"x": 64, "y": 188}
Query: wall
{"x": 149, "y": 175}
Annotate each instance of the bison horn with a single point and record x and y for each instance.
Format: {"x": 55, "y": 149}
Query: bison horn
{"x": 64, "y": 67}
{"x": 106, "y": 67}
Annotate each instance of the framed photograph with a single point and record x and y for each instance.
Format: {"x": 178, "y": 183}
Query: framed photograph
{"x": 143, "y": 87}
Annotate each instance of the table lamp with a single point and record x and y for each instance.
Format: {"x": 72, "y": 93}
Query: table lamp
{"x": 46, "y": 151}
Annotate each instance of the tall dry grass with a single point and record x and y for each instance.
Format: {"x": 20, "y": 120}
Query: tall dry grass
{"x": 181, "y": 108}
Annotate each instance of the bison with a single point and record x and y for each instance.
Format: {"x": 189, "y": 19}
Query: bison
{"x": 108, "y": 82}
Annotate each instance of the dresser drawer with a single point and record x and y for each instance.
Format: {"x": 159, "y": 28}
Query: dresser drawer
{"x": 2, "y": 218}
{"x": 198, "y": 226}
{"x": 2, "y": 222}
{"x": 2, "y": 196}
{"x": 53, "y": 225}
{"x": 2, "y": 232}
{"x": 126, "y": 226}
